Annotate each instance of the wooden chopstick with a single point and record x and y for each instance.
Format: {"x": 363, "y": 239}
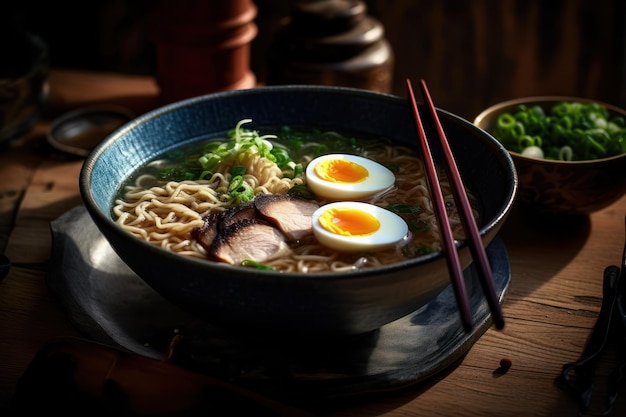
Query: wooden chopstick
{"x": 465, "y": 210}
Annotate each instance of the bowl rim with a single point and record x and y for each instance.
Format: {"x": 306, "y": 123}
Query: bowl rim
{"x": 498, "y": 107}
{"x": 111, "y": 226}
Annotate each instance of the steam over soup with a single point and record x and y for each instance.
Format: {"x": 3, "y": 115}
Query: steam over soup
{"x": 244, "y": 199}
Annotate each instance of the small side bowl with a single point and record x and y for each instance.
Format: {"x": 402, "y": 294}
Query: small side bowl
{"x": 562, "y": 187}
{"x": 81, "y": 130}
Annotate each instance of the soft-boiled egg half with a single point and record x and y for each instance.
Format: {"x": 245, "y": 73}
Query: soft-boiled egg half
{"x": 342, "y": 177}
{"x": 351, "y": 226}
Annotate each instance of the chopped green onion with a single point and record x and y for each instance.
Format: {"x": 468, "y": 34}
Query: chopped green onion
{"x": 566, "y": 153}
{"x": 408, "y": 212}
{"x": 401, "y": 208}
{"x": 415, "y": 251}
{"x": 533, "y": 152}
{"x": 256, "y": 265}
{"x": 238, "y": 188}
{"x": 569, "y": 131}
{"x": 238, "y": 170}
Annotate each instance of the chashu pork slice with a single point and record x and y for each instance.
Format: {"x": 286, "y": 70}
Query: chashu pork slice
{"x": 292, "y": 215}
{"x": 238, "y": 213}
{"x": 208, "y": 231}
{"x": 216, "y": 221}
{"x": 248, "y": 239}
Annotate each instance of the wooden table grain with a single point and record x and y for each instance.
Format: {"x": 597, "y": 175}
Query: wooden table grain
{"x": 551, "y": 306}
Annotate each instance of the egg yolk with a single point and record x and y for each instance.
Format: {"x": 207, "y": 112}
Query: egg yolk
{"x": 341, "y": 171}
{"x": 349, "y": 222}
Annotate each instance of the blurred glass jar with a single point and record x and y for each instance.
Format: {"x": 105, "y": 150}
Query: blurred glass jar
{"x": 24, "y": 69}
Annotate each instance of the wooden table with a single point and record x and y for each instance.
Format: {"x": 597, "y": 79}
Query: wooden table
{"x": 552, "y": 304}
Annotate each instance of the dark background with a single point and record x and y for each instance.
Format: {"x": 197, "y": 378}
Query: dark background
{"x": 471, "y": 53}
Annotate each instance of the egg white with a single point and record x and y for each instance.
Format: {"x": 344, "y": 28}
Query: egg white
{"x": 379, "y": 179}
{"x": 392, "y": 229}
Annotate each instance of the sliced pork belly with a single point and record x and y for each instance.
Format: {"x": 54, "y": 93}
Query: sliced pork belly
{"x": 205, "y": 234}
{"x": 236, "y": 214}
{"x": 214, "y": 222}
{"x": 292, "y": 215}
{"x": 248, "y": 239}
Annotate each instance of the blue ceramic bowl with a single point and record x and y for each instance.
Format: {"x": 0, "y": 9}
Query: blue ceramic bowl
{"x": 310, "y": 304}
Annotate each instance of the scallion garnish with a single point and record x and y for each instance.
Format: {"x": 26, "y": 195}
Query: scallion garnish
{"x": 569, "y": 131}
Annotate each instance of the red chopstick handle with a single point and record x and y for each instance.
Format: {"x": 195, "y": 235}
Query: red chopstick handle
{"x": 452, "y": 256}
{"x": 471, "y": 228}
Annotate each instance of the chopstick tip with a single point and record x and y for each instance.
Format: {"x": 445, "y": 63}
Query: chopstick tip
{"x": 468, "y": 325}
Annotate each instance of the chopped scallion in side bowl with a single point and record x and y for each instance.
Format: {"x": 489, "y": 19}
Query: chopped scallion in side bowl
{"x": 567, "y": 131}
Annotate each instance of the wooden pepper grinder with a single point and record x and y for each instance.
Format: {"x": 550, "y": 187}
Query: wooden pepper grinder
{"x": 331, "y": 42}
{"x": 203, "y": 46}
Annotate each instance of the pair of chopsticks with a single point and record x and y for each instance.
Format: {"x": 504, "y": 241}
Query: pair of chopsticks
{"x": 469, "y": 222}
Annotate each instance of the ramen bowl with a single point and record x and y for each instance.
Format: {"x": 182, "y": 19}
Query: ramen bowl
{"x": 562, "y": 187}
{"x": 311, "y": 304}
